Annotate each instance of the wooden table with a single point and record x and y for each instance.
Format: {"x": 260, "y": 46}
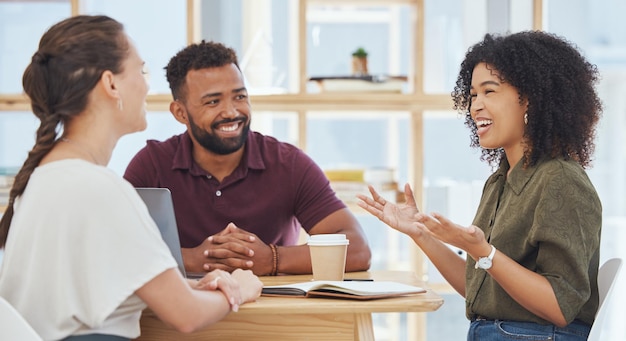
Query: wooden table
{"x": 280, "y": 318}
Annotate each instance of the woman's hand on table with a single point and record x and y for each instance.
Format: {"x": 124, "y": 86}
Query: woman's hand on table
{"x": 239, "y": 287}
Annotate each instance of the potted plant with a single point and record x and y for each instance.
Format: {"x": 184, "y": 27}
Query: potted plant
{"x": 359, "y": 62}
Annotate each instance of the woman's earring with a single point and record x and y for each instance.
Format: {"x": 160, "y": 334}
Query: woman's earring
{"x": 526, "y": 118}
{"x": 120, "y": 105}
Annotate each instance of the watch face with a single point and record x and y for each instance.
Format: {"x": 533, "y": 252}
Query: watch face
{"x": 484, "y": 263}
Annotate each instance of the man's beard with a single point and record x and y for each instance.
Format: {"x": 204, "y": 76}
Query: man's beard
{"x": 214, "y": 143}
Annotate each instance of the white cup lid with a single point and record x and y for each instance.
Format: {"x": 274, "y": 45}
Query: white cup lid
{"x": 328, "y": 239}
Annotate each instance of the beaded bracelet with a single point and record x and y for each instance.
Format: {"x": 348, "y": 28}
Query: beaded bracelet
{"x": 274, "y": 260}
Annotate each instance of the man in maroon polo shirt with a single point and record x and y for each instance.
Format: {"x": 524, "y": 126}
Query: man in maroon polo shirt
{"x": 240, "y": 197}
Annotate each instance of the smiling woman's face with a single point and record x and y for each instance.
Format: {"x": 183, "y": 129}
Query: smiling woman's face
{"x": 497, "y": 112}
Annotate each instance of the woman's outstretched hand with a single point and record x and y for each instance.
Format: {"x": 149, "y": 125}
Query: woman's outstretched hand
{"x": 399, "y": 216}
{"x": 470, "y": 239}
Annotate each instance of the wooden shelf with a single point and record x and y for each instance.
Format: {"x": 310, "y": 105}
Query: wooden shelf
{"x": 294, "y": 102}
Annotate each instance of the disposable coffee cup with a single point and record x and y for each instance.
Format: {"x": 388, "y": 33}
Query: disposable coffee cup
{"x": 328, "y": 256}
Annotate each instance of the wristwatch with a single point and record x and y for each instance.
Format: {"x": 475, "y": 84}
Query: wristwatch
{"x": 486, "y": 262}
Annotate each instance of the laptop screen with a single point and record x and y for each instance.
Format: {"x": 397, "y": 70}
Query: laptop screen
{"x": 159, "y": 203}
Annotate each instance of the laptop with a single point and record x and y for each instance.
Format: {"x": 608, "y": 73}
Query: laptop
{"x": 161, "y": 208}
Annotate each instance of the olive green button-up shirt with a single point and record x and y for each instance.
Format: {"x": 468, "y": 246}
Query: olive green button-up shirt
{"x": 548, "y": 219}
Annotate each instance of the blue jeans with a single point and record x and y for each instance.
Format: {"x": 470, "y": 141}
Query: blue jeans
{"x": 495, "y": 330}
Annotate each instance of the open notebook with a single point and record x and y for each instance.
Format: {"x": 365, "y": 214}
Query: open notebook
{"x": 355, "y": 290}
{"x": 161, "y": 208}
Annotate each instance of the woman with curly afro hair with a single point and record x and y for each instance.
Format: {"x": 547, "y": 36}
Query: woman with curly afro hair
{"x": 533, "y": 248}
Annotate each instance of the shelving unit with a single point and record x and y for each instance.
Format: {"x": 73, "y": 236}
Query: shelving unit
{"x": 414, "y": 102}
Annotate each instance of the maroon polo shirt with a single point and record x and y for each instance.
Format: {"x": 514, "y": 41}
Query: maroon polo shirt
{"x": 274, "y": 191}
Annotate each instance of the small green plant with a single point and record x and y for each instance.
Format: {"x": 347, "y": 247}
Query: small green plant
{"x": 360, "y": 52}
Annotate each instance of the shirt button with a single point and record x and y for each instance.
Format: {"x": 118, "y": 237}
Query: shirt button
{"x": 209, "y": 177}
{"x": 218, "y": 193}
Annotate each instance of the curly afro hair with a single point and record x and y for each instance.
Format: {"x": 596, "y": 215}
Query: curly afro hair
{"x": 195, "y": 57}
{"x": 557, "y": 81}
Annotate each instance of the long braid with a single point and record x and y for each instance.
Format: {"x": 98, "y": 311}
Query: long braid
{"x": 46, "y": 136}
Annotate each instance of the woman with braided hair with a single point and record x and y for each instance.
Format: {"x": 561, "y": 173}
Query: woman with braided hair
{"x": 76, "y": 235}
